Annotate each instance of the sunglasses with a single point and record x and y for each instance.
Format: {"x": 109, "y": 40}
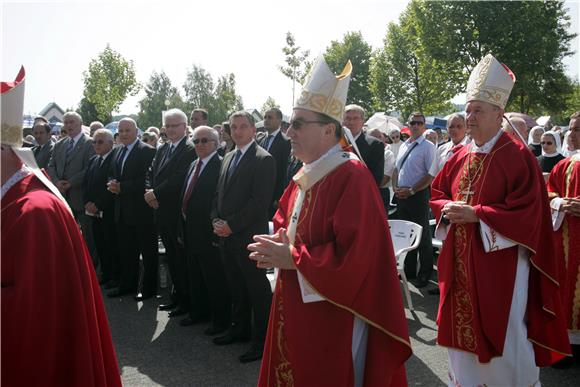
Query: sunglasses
{"x": 546, "y": 143}
{"x": 416, "y": 123}
{"x": 99, "y": 142}
{"x": 202, "y": 140}
{"x": 174, "y": 125}
{"x": 297, "y": 124}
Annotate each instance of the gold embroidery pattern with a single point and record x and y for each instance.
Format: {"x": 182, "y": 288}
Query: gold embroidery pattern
{"x": 283, "y": 370}
{"x": 576, "y": 303}
{"x": 320, "y": 103}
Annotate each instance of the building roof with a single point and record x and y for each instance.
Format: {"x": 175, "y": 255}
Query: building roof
{"x": 50, "y": 106}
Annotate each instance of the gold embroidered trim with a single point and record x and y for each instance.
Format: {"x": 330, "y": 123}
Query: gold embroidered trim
{"x": 549, "y": 348}
{"x": 283, "y": 370}
{"x": 576, "y": 302}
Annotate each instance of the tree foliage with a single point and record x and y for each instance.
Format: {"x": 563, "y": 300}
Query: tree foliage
{"x": 160, "y": 95}
{"x": 297, "y": 64}
{"x": 89, "y": 113}
{"x": 530, "y": 37}
{"x": 220, "y": 100}
{"x": 109, "y": 80}
{"x": 354, "y": 48}
{"x": 404, "y": 77}
{"x": 269, "y": 104}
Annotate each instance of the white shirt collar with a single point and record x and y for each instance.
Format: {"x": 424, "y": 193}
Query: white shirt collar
{"x": 274, "y": 133}
{"x": 336, "y": 148}
{"x": 77, "y": 137}
{"x": 106, "y": 154}
{"x": 176, "y": 144}
{"x": 245, "y": 147}
{"x": 488, "y": 146}
{"x": 205, "y": 160}
{"x": 15, "y": 179}
{"x": 131, "y": 145}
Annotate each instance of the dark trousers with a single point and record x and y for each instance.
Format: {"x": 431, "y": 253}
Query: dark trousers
{"x": 416, "y": 209}
{"x": 174, "y": 251}
{"x": 86, "y": 225}
{"x": 105, "y": 236}
{"x": 250, "y": 290}
{"x": 386, "y": 196}
{"x": 135, "y": 240}
{"x": 208, "y": 288}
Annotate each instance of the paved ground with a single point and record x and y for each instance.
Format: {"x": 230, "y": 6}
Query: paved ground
{"x": 155, "y": 351}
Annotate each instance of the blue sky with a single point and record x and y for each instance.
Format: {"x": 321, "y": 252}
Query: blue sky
{"x": 55, "y": 40}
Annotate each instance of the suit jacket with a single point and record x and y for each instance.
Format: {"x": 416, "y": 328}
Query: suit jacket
{"x": 243, "y": 200}
{"x": 199, "y": 228}
{"x": 42, "y": 154}
{"x": 130, "y": 205}
{"x": 373, "y": 154}
{"x": 73, "y": 170}
{"x": 95, "y": 186}
{"x": 166, "y": 179}
{"x": 280, "y": 150}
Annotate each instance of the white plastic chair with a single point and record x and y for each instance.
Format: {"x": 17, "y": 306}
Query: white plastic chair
{"x": 406, "y": 237}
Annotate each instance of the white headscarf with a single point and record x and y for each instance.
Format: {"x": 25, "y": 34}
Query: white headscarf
{"x": 565, "y": 150}
{"x": 531, "y": 135}
{"x": 556, "y": 137}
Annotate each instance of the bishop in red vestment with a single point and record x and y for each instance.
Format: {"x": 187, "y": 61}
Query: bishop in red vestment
{"x": 564, "y": 189}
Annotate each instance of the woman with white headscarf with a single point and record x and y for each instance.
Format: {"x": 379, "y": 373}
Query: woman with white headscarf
{"x": 395, "y": 136}
{"x": 551, "y": 151}
{"x": 534, "y": 138}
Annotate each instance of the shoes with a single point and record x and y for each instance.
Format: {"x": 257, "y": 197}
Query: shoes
{"x": 190, "y": 321}
{"x": 171, "y": 305}
{"x": 230, "y": 338}
{"x": 420, "y": 283}
{"x": 213, "y": 330}
{"x": 253, "y": 354}
{"x": 434, "y": 292}
{"x": 111, "y": 285}
{"x": 177, "y": 312}
{"x": 116, "y": 293}
{"x": 143, "y": 296}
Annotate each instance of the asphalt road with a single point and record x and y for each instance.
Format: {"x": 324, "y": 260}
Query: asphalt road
{"x": 154, "y": 350}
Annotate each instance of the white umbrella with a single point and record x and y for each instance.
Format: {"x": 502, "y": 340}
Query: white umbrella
{"x": 383, "y": 122}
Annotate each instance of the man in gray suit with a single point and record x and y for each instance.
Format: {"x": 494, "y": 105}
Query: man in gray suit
{"x": 43, "y": 151}
{"x": 67, "y": 167}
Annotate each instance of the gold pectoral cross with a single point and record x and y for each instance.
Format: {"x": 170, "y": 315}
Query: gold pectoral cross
{"x": 467, "y": 193}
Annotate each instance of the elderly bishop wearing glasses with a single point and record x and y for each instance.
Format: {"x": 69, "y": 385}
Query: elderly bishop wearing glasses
{"x": 337, "y": 315}
{"x": 500, "y": 314}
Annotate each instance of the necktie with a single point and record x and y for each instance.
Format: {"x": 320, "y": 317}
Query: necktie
{"x": 234, "y": 163}
{"x": 168, "y": 155}
{"x": 100, "y": 160}
{"x": 190, "y": 186}
{"x": 269, "y": 142}
{"x": 120, "y": 161}
{"x": 69, "y": 148}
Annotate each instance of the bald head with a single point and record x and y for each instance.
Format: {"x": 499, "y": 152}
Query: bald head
{"x": 520, "y": 125}
{"x": 127, "y": 130}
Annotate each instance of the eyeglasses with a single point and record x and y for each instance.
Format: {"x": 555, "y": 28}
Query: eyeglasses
{"x": 297, "y": 124}
{"x": 416, "y": 123}
{"x": 202, "y": 140}
{"x": 99, "y": 142}
{"x": 174, "y": 125}
{"x": 546, "y": 143}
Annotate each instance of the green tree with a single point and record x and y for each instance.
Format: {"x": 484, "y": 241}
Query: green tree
{"x": 160, "y": 95}
{"x": 89, "y": 113}
{"x": 530, "y": 37}
{"x": 297, "y": 64}
{"x": 109, "y": 80}
{"x": 218, "y": 99}
{"x": 404, "y": 78}
{"x": 354, "y": 48}
{"x": 269, "y": 104}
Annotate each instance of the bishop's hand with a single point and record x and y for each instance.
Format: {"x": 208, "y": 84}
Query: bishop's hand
{"x": 272, "y": 251}
{"x": 460, "y": 213}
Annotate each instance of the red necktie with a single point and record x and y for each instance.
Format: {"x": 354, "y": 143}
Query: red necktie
{"x": 190, "y": 187}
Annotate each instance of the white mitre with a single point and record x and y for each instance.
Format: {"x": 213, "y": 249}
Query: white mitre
{"x": 12, "y": 106}
{"x": 323, "y": 92}
{"x": 490, "y": 81}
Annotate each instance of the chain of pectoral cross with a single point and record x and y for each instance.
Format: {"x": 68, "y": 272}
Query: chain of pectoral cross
{"x": 466, "y": 194}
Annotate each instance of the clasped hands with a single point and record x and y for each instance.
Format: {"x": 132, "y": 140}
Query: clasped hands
{"x": 402, "y": 192}
{"x": 459, "y": 212}
{"x": 272, "y": 251}
{"x": 221, "y": 228}
{"x": 151, "y": 199}
{"x": 63, "y": 185}
{"x": 571, "y": 206}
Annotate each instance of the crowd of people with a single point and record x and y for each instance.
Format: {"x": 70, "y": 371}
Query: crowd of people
{"x": 208, "y": 193}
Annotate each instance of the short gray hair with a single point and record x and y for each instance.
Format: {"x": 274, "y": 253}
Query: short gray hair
{"x": 73, "y": 114}
{"x": 175, "y": 113}
{"x": 129, "y": 119}
{"x": 105, "y": 132}
{"x": 454, "y": 116}
{"x": 245, "y": 114}
{"x": 356, "y": 108}
{"x": 213, "y": 134}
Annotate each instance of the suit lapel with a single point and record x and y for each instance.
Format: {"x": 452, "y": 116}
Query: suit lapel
{"x": 165, "y": 163}
{"x": 130, "y": 157}
{"x": 243, "y": 161}
{"x": 76, "y": 148}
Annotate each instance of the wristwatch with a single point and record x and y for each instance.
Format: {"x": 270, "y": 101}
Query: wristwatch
{"x": 412, "y": 191}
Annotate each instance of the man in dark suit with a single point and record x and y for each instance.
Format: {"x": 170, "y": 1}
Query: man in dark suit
{"x": 67, "y": 167}
{"x": 208, "y": 287}
{"x": 42, "y": 151}
{"x": 134, "y": 218}
{"x": 278, "y": 145}
{"x": 371, "y": 149}
{"x": 243, "y": 198}
{"x": 164, "y": 183}
{"x": 99, "y": 205}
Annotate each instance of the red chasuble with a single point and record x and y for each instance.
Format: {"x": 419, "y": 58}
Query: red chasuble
{"x": 344, "y": 250}
{"x": 565, "y": 182}
{"x": 506, "y": 188}
{"x": 54, "y": 327}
